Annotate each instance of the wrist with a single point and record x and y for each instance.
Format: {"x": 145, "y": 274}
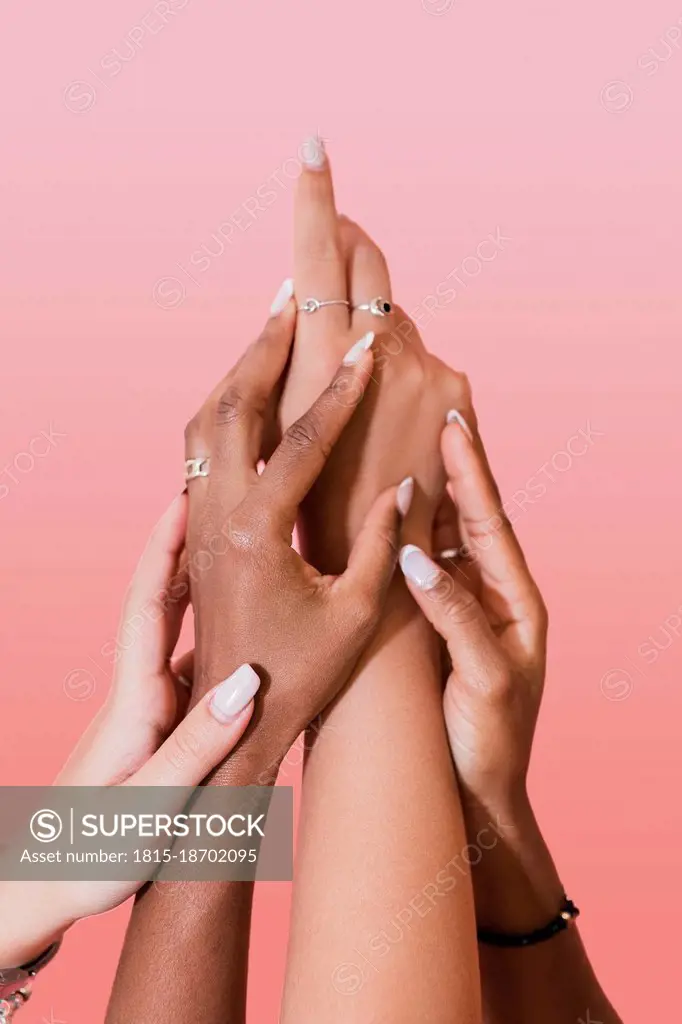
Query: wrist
{"x": 32, "y": 921}
{"x": 255, "y": 762}
{"x": 516, "y": 884}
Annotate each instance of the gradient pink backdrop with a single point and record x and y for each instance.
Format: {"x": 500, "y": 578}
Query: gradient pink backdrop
{"x": 446, "y": 121}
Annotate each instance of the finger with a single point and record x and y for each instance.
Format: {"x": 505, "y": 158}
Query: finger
{"x": 231, "y": 423}
{"x": 319, "y": 264}
{"x": 447, "y": 546}
{"x": 446, "y": 532}
{"x": 182, "y": 674}
{"x": 452, "y": 610}
{"x": 368, "y": 277}
{"x": 183, "y": 670}
{"x": 245, "y": 399}
{"x": 156, "y": 601}
{"x": 488, "y": 534}
{"x": 205, "y": 737}
{"x": 307, "y": 444}
{"x": 373, "y": 558}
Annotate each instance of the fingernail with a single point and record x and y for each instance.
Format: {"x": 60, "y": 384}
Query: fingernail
{"x": 280, "y": 300}
{"x": 418, "y": 567}
{"x": 454, "y": 416}
{"x": 355, "y": 353}
{"x": 234, "y": 693}
{"x": 403, "y": 498}
{"x": 313, "y": 154}
{"x": 185, "y": 681}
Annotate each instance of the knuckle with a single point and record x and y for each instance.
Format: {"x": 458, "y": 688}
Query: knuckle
{"x": 184, "y": 748}
{"x": 232, "y": 405}
{"x": 462, "y": 386}
{"x": 366, "y": 611}
{"x": 388, "y": 539}
{"x": 369, "y": 250}
{"x": 497, "y": 686}
{"x": 193, "y": 430}
{"x": 540, "y": 613}
{"x": 323, "y": 248}
{"x": 242, "y": 533}
{"x": 482, "y": 532}
{"x": 306, "y": 433}
{"x": 458, "y": 604}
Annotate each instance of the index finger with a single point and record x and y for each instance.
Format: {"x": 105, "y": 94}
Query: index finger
{"x": 307, "y": 444}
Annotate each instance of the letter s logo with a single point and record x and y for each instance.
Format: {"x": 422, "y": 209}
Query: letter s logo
{"x": 46, "y": 826}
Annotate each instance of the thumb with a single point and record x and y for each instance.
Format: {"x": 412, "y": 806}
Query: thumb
{"x": 453, "y": 611}
{"x": 205, "y": 737}
{"x": 372, "y": 560}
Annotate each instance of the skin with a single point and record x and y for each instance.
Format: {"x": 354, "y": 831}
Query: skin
{"x": 256, "y": 601}
{"x": 137, "y": 739}
{"x": 378, "y": 821}
{"x": 491, "y": 616}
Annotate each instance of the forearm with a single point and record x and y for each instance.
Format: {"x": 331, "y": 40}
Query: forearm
{"x": 374, "y": 926}
{"x": 517, "y": 890}
{"x": 186, "y": 948}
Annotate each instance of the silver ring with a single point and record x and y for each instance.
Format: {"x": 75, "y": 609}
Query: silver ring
{"x": 451, "y": 554}
{"x": 377, "y": 307}
{"x": 312, "y": 305}
{"x": 197, "y": 467}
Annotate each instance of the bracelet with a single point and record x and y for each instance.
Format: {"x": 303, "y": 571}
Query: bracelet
{"x": 568, "y": 913}
{"x": 15, "y": 982}
{"x": 13, "y": 1002}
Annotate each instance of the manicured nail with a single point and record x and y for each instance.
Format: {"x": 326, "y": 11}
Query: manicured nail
{"x": 418, "y": 567}
{"x": 313, "y": 154}
{"x": 280, "y": 300}
{"x": 354, "y": 354}
{"x": 454, "y": 416}
{"x": 403, "y": 498}
{"x": 234, "y": 693}
{"x": 185, "y": 681}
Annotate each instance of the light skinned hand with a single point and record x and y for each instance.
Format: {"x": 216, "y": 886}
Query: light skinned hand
{"x": 140, "y": 737}
{"x": 490, "y": 613}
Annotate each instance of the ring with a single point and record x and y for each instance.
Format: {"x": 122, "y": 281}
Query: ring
{"x": 196, "y": 467}
{"x": 451, "y": 554}
{"x": 312, "y": 305}
{"x": 377, "y": 307}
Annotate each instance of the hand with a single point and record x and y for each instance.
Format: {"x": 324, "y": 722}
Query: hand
{"x": 490, "y": 613}
{"x": 139, "y": 738}
{"x": 395, "y": 433}
{"x": 255, "y": 599}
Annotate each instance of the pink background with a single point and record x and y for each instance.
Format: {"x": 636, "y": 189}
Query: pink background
{"x": 446, "y": 120}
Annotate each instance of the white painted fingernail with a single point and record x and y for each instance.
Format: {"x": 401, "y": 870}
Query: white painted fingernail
{"x": 234, "y": 693}
{"x": 355, "y": 353}
{"x": 418, "y": 567}
{"x": 454, "y": 416}
{"x": 286, "y": 290}
{"x": 403, "y": 498}
{"x": 313, "y": 153}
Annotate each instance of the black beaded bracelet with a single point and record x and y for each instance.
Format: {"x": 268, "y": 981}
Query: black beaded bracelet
{"x": 568, "y": 913}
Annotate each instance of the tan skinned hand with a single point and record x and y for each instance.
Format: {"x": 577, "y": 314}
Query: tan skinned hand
{"x": 255, "y": 599}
